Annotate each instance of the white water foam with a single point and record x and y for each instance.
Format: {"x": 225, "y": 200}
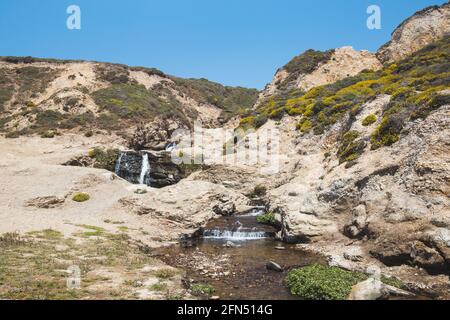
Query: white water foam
{"x": 234, "y": 235}
{"x": 253, "y": 213}
{"x": 144, "y": 169}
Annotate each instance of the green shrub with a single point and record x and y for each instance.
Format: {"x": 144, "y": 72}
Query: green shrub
{"x": 305, "y": 126}
{"x": 267, "y": 218}
{"x": 317, "y": 282}
{"x": 48, "y": 119}
{"x": 81, "y": 197}
{"x": 259, "y": 191}
{"x": 370, "y": 119}
{"x": 388, "y": 132}
{"x": 202, "y": 289}
{"x": 350, "y": 148}
{"x": 131, "y": 101}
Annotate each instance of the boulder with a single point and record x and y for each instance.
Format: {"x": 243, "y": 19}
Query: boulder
{"x": 357, "y": 227}
{"x": 370, "y": 289}
{"x": 274, "y": 266}
{"x": 225, "y": 209}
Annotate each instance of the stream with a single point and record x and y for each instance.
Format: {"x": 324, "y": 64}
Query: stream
{"x": 232, "y": 255}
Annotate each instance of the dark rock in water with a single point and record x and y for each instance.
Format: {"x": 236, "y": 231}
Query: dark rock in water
{"x": 274, "y": 266}
{"x": 161, "y": 171}
{"x": 190, "y": 240}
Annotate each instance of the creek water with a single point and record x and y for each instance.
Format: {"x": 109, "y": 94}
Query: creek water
{"x": 232, "y": 255}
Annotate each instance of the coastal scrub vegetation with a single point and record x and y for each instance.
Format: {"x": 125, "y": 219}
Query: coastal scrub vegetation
{"x": 232, "y": 100}
{"x": 318, "y": 282}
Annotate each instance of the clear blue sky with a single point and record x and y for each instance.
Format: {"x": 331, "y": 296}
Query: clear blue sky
{"x": 234, "y": 42}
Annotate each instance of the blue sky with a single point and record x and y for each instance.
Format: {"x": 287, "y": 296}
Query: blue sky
{"x": 234, "y": 42}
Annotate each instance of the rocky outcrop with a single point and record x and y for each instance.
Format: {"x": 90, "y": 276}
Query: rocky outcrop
{"x": 190, "y": 204}
{"x": 393, "y": 199}
{"x": 418, "y": 31}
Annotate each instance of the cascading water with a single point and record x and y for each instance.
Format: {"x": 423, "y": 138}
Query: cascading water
{"x": 144, "y": 169}
{"x": 235, "y": 235}
{"x": 119, "y": 162}
{"x": 239, "y": 228}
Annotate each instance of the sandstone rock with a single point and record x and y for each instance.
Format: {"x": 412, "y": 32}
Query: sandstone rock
{"x": 45, "y": 202}
{"x": 354, "y": 254}
{"x": 370, "y": 289}
{"x": 421, "y": 29}
{"x": 225, "y": 209}
{"x": 189, "y": 204}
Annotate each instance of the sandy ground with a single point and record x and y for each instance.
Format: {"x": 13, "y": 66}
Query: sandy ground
{"x": 31, "y": 168}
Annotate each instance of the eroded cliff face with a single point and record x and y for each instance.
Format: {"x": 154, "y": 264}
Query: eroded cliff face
{"x": 315, "y": 68}
{"x": 418, "y": 31}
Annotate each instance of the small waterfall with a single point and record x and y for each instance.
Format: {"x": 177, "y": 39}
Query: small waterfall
{"x": 118, "y": 163}
{"x": 144, "y": 169}
{"x": 235, "y": 235}
{"x": 254, "y": 213}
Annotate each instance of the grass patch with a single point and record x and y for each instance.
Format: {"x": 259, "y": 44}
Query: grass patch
{"x": 160, "y": 286}
{"x": 166, "y": 273}
{"x": 47, "y": 234}
{"x": 93, "y": 230}
{"x": 36, "y": 269}
{"x": 202, "y": 289}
